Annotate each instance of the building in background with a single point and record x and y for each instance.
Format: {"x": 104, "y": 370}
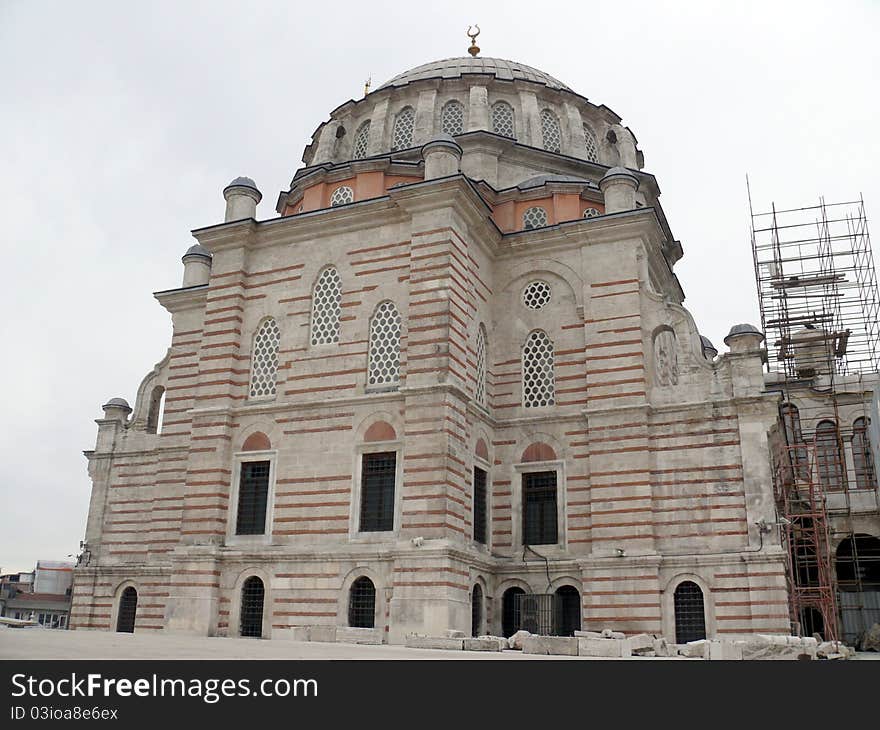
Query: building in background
{"x": 43, "y": 595}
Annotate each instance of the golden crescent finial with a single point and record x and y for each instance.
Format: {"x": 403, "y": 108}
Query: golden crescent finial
{"x": 474, "y": 49}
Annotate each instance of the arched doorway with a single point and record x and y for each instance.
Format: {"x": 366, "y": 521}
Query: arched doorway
{"x": 812, "y": 622}
{"x": 510, "y": 611}
{"x": 362, "y": 604}
{"x": 568, "y": 610}
{"x": 127, "y": 609}
{"x": 857, "y": 566}
{"x": 690, "y": 614}
{"x": 252, "y": 596}
{"x": 477, "y": 611}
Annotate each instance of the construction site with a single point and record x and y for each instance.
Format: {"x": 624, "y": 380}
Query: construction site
{"x": 817, "y": 290}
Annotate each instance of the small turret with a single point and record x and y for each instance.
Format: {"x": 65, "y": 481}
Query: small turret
{"x": 242, "y": 197}
{"x": 196, "y": 266}
{"x": 619, "y": 187}
{"x": 442, "y": 157}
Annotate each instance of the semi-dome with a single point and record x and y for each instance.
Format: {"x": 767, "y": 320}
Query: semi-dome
{"x": 451, "y": 68}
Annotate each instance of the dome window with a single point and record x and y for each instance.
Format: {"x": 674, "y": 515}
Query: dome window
{"x": 536, "y": 294}
{"x": 591, "y": 145}
{"x": 534, "y": 218}
{"x": 402, "y": 138}
{"x": 361, "y": 140}
{"x": 452, "y": 118}
{"x": 592, "y": 213}
{"x": 502, "y": 119}
{"x": 341, "y": 196}
{"x": 550, "y": 131}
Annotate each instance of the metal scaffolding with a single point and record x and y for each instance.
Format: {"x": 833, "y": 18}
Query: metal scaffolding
{"x": 817, "y": 291}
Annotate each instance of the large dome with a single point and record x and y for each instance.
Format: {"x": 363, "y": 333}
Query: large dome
{"x": 451, "y": 68}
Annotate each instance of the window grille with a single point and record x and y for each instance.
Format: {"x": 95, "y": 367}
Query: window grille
{"x": 862, "y": 458}
{"x": 536, "y": 294}
{"x": 452, "y": 118}
{"x": 378, "y": 472}
{"x": 539, "y": 388}
{"x": 361, "y": 141}
{"x": 534, "y": 218}
{"x": 477, "y": 611}
{"x": 341, "y": 196}
{"x": 480, "y": 387}
{"x": 829, "y": 456}
{"x": 568, "y": 611}
{"x": 384, "y": 357}
{"x": 252, "y": 596}
{"x": 264, "y": 359}
{"x": 326, "y": 301}
{"x": 510, "y": 619}
{"x": 479, "y": 505}
{"x": 690, "y": 618}
{"x": 362, "y": 604}
{"x": 550, "y": 130}
{"x": 592, "y": 213}
{"x": 539, "y": 517}
{"x": 127, "y": 610}
{"x": 253, "y": 494}
{"x": 402, "y": 137}
{"x": 502, "y": 119}
{"x": 591, "y": 145}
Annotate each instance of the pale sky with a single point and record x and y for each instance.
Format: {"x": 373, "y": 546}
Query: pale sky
{"x": 120, "y": 124}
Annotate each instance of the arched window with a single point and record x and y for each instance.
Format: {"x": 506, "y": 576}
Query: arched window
{"x": 156, "y": 410}
{"x": 452, "y": 118}
{"x": 510, "y": 618}
{"x": 538, "y": 382}
{"x": 690, "y": 616}
{"x": 550, "y": 131}
{"x": 535, "y": 217}
{"x": 798, "y": 460}
{"x": 341, "y": 196}
{"x": 361, "y": 141}
{"x": 477, "y": 611}
{"x": 326, "y": 300}
{"x": 591, "y": 145}
{"x": 502, "y": 119}
{"x": 482, "y": 347}
{"x": 264, "y": 359}
{"x": 383, "y": 366}
{"x": 362, "y": 604}
{"x": 128, "y": 602}
{"x": 862, "y": 458}
{"x": 252, "y": 597}
{"x": 402, "y": 137}
{"x": 592, "y": 213}
{"x": 829, "y": 456}
{"x": 568, "y": 610}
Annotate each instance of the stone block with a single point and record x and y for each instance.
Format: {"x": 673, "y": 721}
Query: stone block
{"x": 640, "y": 643}
{"x": 351, "y": 635}
{"x": 612, "y": 648}
{"x": 609, "y": 634}
{"x": 661, "y": 648}
{"x": 695, "y": 649}
{"x": 722, "y": 650}
{"x": 553, "y": 645}
{"x": 454, "y": 634}
{"x": 786, "y": 648}
{"x": 588, "y": 634}
{"x": 322, "y": 633}
{"x": 484, "y": 643}
{"x": 415, "y": 641}
{"x": 515, "y": 641}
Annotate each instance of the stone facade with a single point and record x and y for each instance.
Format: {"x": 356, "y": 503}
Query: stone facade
{"x": 659, "y": 448}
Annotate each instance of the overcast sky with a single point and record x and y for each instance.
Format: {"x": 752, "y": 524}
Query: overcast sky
{"x": 120, "y": 123}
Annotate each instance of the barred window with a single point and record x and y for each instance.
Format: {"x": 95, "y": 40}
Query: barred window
{"x": 690, "y": 617}
{"x": 798, "y": 459}
{"x": 534, "y": 218}
{"x": 361, "y": 141}
{"x": 125, "y": 615}
{"x": 253, "y": 594}
{"x": 253, "y": 497}
{"x": 402, "y": 137}
{"x": 384, "y": 358}
{"x": 480, "y": 387}
{"x": 537, "y": 371}
{"x": 510, "y": 613}
{"x": 264, "y": 359}
{"x": 536, "y": 294}
{"x": 591, "y": 213}
{"x": 342, "y": 195}
{"x": 477, "y": 611}
{"x": 326, "y": 300}
{"x": 479, "y": 505}
{"x": 591, "y": 144}
{"x": 362, "y": 604}
{"x": 550, "y": 131}
{"x": 452, "y": 118}
{"x": 502, "y": 119}
{"x": 862, "y": 457}
{"x": 377, "y": 491}
{"x": 539, "y": 516}
{"x": 829, "y": 456}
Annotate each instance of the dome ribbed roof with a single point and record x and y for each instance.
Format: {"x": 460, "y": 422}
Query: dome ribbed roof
{"x": 451, "y": 68}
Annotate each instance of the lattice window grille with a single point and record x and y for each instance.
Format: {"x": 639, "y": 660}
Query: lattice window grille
{"x": 362, "y": 604}
{"x": 326, "y": 302}
{"x": 361, "y": 141}
{"x": 265, "y": 360}
{"x": 536, "y": 294}
{"x": 550, "y": 131}
{"x": 690, "y": 616}
{"x": 502, "y": 119}
{"x": 252, "y": 598}
{"x": 403, "y": 129}
{"x": 539, "y": 388}
{"x": 591, "y": 213}
{"x": 480, "y": 388}
{"x": 591, "y": 145}
{"x": 452, "y": 118}
{"x": 384, "y": 359}
{"x": 341, "y": 196}
{"x": 534, "y": 218}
